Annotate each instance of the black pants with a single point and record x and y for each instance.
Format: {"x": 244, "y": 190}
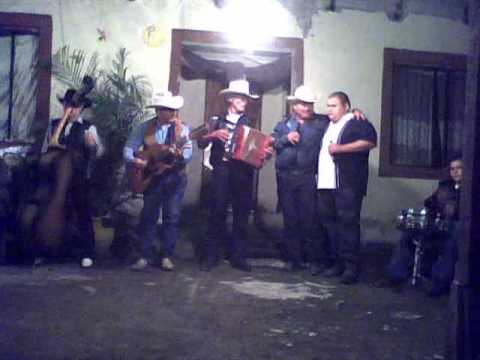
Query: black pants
{"x": 339, "y": 227}
{"x": 231, "y": 182}
{"x": 297, "y": 199}
{"x": 80, "y": 201}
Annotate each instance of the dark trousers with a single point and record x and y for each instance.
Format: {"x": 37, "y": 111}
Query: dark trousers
{"x": 231, "y": 182}
{"x": 80, "y": 201}
{"x": 338, "y": 238}
{"x": 400, "y": 265}
{"x": 297, "y": 199}
{"x": 165, "y": 193}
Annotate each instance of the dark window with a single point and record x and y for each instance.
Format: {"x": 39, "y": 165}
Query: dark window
{"x": 18, "y": 83}
{"x": 422, "y": 112}
{"x": 25, "y": 57}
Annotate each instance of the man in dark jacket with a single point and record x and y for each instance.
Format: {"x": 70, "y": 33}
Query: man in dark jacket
{"x": 80, "y": 139}
{"x": 444, "y": 202}
{"x": 297, "y": 143}
{"x": 231, "y": 180}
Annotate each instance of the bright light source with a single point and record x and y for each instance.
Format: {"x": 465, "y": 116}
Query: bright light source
{"x": 250, "y": 23}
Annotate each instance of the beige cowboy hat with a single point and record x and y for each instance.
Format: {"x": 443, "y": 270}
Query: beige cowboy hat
{"x": 238, "y": 87}
{"x": 303, "y": 94}
{"x": 166, "y": 100}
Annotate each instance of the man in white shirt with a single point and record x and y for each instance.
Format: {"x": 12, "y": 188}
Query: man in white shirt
{"x": 342, "y": 184}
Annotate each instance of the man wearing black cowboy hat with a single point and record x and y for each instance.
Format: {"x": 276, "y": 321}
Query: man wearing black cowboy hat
{"x": 80, "y": 137}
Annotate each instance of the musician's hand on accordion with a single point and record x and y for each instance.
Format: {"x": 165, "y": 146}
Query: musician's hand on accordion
{"x": 221, "y": 134}
{"x": 269, "y": 150}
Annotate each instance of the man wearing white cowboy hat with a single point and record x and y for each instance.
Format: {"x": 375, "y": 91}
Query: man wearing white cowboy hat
{"x": 231, "y": 179}
{"x": 297, "y": 144}
{"x": 166, "y": 190}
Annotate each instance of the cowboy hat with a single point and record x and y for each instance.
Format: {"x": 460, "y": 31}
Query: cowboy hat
{"x": 238, "y": 87}
{"x": 69, "y": 100}
{"x": 166, "y": 100}
{"x": 303, "y": 94}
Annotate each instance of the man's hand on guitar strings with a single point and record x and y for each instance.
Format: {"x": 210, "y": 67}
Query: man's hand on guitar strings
{"x": 139, "y": 162}
{"x": 162, "y": 167}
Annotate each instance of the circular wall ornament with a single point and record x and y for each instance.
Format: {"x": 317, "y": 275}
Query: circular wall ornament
{"x": 153, "y": 36}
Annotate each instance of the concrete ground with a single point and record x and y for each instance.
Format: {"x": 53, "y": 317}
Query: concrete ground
{"x": 62, "y": 312}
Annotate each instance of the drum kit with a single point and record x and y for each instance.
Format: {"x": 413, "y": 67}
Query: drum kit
{"x": 421, "y": 221}
{"x": 422, "y": 225}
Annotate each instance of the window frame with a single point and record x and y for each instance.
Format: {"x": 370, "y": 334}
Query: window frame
{"x": 40, "y": 25}
{"x": 392, "y": 58}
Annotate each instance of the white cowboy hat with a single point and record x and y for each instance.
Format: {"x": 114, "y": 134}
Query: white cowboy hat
{"x": 303, "y": 94}
{"x": 166, "y": 100}
{"x": 238, "y": 87}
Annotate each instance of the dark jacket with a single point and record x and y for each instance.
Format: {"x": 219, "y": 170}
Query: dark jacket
{"x": 218, "y": 147}
{"x": 75, "y": 140}
{"x": 301, "y": 158}
{"x": 445, "y": 200}
{"x": 352, "y": 168}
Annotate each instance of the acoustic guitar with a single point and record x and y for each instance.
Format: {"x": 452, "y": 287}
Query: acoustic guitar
{"x": 160, "y": 159}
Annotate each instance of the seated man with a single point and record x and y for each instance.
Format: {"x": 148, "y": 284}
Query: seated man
{"x": 444, "y": 201}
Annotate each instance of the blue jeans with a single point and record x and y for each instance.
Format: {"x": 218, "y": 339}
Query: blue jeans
{"x": 165, "y": 193}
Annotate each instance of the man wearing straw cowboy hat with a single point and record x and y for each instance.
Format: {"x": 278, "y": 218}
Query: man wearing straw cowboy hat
{"x": 166, "y": 190}
{"x": 231, "y": 180}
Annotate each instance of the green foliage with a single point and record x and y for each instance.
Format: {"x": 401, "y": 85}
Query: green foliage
{"x": 119, "y": 98}
{"x": 119, "y": 104}
{"x": 70, "y": 66}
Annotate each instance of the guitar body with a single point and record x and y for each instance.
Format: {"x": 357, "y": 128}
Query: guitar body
{"x": 159, "y": 158}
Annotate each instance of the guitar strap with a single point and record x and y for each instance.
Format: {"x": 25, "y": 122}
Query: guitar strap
{"x": 149, "y": 138}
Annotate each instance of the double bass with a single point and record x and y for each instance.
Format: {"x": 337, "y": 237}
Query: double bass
{"x": 56, "y": 168}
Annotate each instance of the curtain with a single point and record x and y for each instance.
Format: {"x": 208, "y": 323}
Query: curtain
{"x": 412, "y": 117}
{"x": 24, "y": 89}
{"x": 428, "y": 112}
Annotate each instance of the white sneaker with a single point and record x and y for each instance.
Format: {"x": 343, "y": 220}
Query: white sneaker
{"x": 140, "y": 264}
{"x": 167, "y": 264}
{"x": 86, "y": 262}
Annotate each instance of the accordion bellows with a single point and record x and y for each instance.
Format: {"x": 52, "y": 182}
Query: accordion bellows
{"x": 249, "y": 146}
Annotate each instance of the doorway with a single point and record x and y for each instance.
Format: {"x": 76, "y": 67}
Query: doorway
{"x": 203, "y": 62}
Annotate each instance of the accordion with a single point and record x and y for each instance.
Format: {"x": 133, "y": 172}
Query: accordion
{"x": 248, "y": 145}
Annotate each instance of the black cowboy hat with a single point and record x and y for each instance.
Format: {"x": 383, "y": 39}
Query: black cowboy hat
{"x": 69, "y": 100}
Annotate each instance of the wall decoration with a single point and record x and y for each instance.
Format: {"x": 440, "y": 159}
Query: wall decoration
{"x": 153, "y": 36}
{"x": 102, "y": 34}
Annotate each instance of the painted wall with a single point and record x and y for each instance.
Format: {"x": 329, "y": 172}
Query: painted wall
{"x": 344, "y": 51}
